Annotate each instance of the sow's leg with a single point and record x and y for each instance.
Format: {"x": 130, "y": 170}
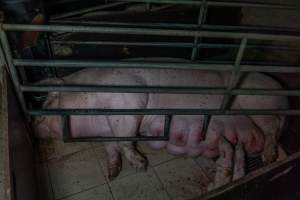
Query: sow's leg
{"x": 114, "y": 162}
{"x": 127, "y": 126}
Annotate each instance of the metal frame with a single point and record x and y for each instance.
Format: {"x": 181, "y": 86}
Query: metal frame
{"x": 237, "y": 68}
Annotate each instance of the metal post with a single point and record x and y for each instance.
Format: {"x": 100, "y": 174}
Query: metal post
{"x": 201, "y": 20}
{"x": 235, "y": 75}
{"x": 168, "y": 119}
{"x": 12, "y": 70}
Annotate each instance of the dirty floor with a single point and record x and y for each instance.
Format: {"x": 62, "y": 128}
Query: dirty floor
{"x": 78, "y": 172}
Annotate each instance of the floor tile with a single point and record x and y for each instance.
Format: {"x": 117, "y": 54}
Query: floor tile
{"x": 44, "y": 183}
{"x": 102, "y": 158}
{"x": 154, "y": 157}
{"x": 99, "y": 193}
{"x": 75, "y": 173}
{"x": 182, "y": 178}
{"x": 139, "y": 186}
{"x": 208, "y": 165}
{"x": 53, "y": 149}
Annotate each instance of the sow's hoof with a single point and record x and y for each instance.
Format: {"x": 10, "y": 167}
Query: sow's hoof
{"x": 114, "y": 171}
{"x": 269, "y": 154}
{"x": 138, "y": 162}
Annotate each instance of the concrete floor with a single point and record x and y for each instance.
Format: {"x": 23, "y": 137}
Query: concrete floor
{"x": 78, "y": 172}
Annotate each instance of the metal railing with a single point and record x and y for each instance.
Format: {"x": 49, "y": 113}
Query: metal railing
{"x": 236, "y": 69}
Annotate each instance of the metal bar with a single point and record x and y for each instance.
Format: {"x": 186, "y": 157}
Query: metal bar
{"x": 201, "y": 20}
{"x": 156, "y": 89}
{"x": 123, "y": 24}
{"x": 210, "y": 27}
{"x": 235, "y": 75}
{"x": 12, "y": 70}
{"x": 87, "y": 10}
{"x": 267, "y": 68}
{"x": 115, "y": 139}
{"x": 174, "y": 44}
{"x": 222, "y": 3}
{"x": 123, "y": 89}
{"x": 155, "y": 65}
{"x": 146, "y": 31}
{"x": 168, "y": 119}
{"x": 104, "y": 64}
{"x": 67, "y": 137}
{"x": 162, "y": 112}
{"x": 155, "y": 44}
{"x": 255, "y": 178}
{"x": 66, "y": 127}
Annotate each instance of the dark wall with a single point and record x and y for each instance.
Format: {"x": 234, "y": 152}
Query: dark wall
{"x": 22, "y": 152}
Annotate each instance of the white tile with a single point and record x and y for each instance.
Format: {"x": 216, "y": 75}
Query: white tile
{"x": 143, "y": 185}
{"x": 102, "y": 158}
{"x": 75, "y": 173}
{"x": 54, "y": 149}
{"x": 208, "y": 165}
{"x": 98, "y": 193}
{"x": 154, "y": 157}
{"x": 182, "y": 178}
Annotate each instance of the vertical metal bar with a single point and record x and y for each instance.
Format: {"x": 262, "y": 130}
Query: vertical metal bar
{"x": 50, "y": 51}
{"x": 235, "y": 75}
{"x": 12, "y": 70}
{"x": 66, "y": 128}
{"x": 148, "y": 6}
{"x": 206, "y": 123}
{"x": 201, "y": 20}
{"x": 168, "y": 119}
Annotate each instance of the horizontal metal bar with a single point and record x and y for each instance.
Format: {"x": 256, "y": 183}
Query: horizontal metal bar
{"x": 115, "y": 139}
{"x": 113, "y": 64}
{"x": 121, "y": 89}
{"x": 221, "y": 3}
{"x": 123, "y": 24}
{"x": 146, "y": 31}
{"x": 268, "y": 68}
{"x": 152, "y": 65}
{"x": 87, "y": 10}
{"x": 155, "y": 89}
{"x": 155, "y": 44}
{"x": 158, "y": 44}
{"x": 161, "y": 112}
{"x": 210, "y": 27}
{"x": 268, "y": 92}
{"x": 173, "y": 44}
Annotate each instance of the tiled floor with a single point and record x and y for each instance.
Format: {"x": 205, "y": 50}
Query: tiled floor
{"x": 78, "y": 172}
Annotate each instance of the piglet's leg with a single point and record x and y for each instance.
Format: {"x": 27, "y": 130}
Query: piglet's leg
{"x": 127, "y": 126}
{"x": 239, "y": 162}
{"x": 224, "y": 165}
{"x": 114, "y": 161}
